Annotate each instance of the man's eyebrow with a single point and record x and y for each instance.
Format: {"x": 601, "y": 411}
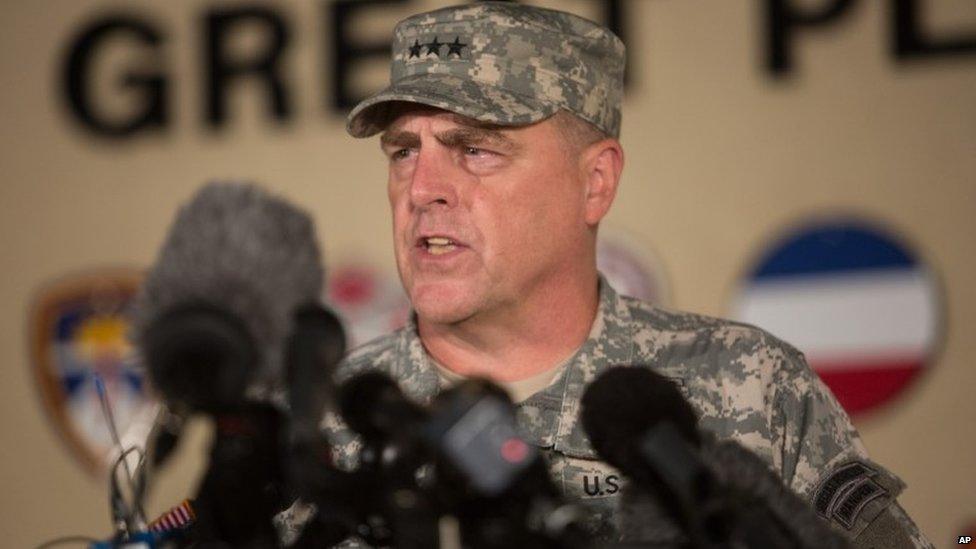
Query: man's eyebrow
{"x": 467, "y": 135}
{"x": 399, "y": 139}
{"x": 489, "y": 131}
{"x": 469, "y": 132}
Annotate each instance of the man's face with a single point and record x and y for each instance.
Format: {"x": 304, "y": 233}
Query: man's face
{"x": 483, "y": 216}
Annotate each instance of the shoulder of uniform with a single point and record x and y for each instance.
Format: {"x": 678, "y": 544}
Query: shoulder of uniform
{"x": 683, "y": 323}
{"x": 670, "y": 320}
{"x": 376, "y": 353}
{"x": 683, "y": 336}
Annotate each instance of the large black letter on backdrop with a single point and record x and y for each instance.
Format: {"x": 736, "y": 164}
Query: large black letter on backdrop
{"x": 782, "y": 18}
{"x": 347, "y": 52}
{"x": 909, "y": 41}
{"x": 615, "y": 18}
{"x": 221, "y": 71}
{"x": 77, "y": 73}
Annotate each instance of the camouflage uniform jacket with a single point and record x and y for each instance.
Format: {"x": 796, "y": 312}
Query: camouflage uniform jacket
{"x": 743, "y": 382}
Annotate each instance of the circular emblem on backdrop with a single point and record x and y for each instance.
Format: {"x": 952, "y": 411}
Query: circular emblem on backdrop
{"x": 858, "y": 302}
{"x": 78, "y": 329}
{"x": 631, "y": 268}
{"x": 369, "y": 302}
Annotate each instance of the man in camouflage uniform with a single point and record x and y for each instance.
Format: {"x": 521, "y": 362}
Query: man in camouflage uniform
{"x": 500, "y": 126}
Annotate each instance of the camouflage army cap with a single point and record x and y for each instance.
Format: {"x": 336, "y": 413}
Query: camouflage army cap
{"x": 501, "y": 63}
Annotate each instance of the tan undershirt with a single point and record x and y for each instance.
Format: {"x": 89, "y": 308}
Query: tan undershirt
{"x": 518, "y": 390}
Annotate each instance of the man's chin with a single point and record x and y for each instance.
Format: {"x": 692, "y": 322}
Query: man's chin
{"x": 443, "y": 317}
{"x": 442, "y": 303}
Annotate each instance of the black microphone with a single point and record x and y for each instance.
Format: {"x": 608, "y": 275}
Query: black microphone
{"x": 623, "y": 404}
{"x": 496, "y": 484}
{"x": 744, "y": 472}
{"x": 395, "y": 463}
{"x": 486, "y": 476}
{"x": 473, "y": 427}
{"x": 718, "y": 493}
{"x": 470, "y": 427}
{"x": 313, "y": 350}
{"x": 215, "y": 309}
{"x": 373, "y": 405}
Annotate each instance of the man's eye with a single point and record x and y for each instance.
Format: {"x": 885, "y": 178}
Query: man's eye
{"x": 475, "y": 151}
{"x": 400, "y": 154}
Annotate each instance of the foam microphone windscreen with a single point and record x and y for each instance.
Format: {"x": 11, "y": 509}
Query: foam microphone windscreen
{"x": 241, "y": 261}
{"x": 623, "y": 403}
{"x": 750, "y": 478}
{"x": 748, "y": 483}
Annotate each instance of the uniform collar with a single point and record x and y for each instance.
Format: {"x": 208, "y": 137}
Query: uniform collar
{"x": 550, "y": 418}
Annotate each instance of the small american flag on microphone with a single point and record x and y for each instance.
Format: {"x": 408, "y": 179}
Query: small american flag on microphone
{"x": 177, "y": 518}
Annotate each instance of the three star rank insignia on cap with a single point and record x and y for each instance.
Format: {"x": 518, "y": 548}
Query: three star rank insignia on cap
{"x": 434, "y": 47}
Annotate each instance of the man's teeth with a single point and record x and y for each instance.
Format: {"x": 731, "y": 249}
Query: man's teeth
{"x": 438, "y": 250}
{"x": 438, "y": 245}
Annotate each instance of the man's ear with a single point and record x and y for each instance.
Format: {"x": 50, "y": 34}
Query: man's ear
{"x": 601, "y": 163}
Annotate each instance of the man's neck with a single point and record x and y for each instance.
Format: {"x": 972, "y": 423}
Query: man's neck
{"x": 537, "y": 335}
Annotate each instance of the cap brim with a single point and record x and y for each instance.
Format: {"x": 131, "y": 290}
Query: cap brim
{"x": 463, "y": 96}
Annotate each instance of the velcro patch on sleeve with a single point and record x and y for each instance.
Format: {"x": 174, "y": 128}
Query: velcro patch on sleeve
{"x": 843, "y": 495}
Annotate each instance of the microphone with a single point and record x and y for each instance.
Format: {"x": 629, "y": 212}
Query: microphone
{"x": 744, "y": 472}
{"x": 496, "y": 484}
{"x": 473, "y": 427}
{"x": 470, "y": 427}
{"x": 373, "y": 405}
{"x": 624, "y": 404}
{"x": 313, "y": 350}
{"x": 227, "y": 319}
{"x": 719, "y": 493}
{"x": 214, "y": 311}
{"x": 488, "y": 478}
{"x": 395, "y": 463}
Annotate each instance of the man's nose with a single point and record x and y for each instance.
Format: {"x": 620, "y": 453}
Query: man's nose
{"x": 434, "y": 178}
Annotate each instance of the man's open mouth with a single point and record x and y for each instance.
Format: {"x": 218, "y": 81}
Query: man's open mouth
{"x": 438, "y": 245}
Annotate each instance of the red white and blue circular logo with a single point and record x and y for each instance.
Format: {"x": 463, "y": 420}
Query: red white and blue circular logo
{"x": 861, "y": 305}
